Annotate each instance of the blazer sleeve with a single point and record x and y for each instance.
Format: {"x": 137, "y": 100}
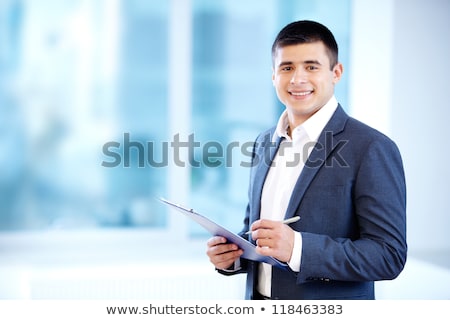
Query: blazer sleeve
{"x": 378, "y": 199}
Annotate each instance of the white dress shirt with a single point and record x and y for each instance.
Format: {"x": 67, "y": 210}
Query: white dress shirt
{"x": 283, "y": 175}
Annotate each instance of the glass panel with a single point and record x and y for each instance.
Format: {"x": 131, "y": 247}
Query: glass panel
{"x": 82, "y": 82}
{"x": 141, "y": 116}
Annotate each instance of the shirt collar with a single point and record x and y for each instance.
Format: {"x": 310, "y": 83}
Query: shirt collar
{"x": 313, "y": 126}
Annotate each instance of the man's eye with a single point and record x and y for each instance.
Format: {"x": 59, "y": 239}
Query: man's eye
{"x": 311, "y": 68}
{"x": 286, "y": 69}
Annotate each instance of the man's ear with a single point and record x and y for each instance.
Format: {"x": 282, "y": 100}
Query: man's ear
{"x": 338, "y": 70}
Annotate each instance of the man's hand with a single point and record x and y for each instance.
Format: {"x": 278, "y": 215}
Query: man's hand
{"x": 221, "y": 254}
{"x": 273, "y": 238}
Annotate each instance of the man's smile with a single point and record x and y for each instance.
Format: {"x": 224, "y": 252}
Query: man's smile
{"x": 300, "y": 93}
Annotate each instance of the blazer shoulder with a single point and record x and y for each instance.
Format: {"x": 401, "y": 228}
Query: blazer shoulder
{"x": 360, "y": 135}
{"x": 365, "y": 132}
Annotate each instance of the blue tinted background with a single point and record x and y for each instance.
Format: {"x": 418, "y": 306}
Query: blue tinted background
{"x": 79, "y": 74}
{"x": 85, "y": 81}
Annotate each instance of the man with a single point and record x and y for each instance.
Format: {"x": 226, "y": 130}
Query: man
{"x": 344, "y": 179}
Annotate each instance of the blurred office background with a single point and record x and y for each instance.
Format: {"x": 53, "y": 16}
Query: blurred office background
{"x": 79, "y": 75}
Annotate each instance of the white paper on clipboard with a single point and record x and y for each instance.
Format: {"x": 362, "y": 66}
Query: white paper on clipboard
{"x": 217, "y": 230}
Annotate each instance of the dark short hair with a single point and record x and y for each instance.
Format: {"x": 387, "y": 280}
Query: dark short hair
{"x": 306, "y": 31}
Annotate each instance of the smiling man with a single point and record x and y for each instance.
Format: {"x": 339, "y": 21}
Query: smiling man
{"x": 349, "y": 190}
{"x": 304, "y": 79}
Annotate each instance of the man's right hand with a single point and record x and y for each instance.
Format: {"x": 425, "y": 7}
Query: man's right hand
{"x": 222, "y": 254}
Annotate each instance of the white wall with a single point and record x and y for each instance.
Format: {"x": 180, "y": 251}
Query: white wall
{"x": 400, "y": 65}
{"x": 420, "y": 116}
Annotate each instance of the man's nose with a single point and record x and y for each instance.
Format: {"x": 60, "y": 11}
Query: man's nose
{"x": 299, "y": 76}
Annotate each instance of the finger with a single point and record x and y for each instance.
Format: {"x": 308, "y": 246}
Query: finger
{"x": 219, "y": 252}
{"x": 215, "y": 241}
{"x": 225, "y": 260}
{"x": 226, "y": 256}
{"x": 222, "y": 248}
{"x": 261, "y": 234}
{"x": 263, "y": 243}
{"x": 264, "y": 250}
{"x": 264, "y": 224}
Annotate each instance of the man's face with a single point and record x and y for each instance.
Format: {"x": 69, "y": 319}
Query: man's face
{"x": 303, "y": 79}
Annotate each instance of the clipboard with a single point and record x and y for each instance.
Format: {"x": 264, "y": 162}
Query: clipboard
{"x": 217, "y": 230}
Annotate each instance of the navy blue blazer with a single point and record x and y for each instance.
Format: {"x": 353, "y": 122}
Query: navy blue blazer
{"x": 351, "y": 197}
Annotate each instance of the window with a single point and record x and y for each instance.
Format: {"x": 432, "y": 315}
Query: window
{"x": 93, "y": 94}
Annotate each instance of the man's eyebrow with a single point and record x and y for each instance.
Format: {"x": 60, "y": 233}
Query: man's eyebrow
{"x": 312, "y": 62}
{"x": 288, "y": 63}
{"x": 285, "y": 63}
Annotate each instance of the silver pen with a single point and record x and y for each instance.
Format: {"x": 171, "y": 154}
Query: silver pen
{"x": 287, "y": 221}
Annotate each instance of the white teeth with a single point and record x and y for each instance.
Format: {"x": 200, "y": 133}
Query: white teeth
{"x": 301, "y": 93}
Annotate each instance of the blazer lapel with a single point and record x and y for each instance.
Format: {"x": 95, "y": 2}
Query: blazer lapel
{"x": 324, "y": 146}
{"x": 265, "y": 154}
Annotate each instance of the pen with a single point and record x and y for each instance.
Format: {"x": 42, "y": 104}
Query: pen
{"x": 287, "y": 221}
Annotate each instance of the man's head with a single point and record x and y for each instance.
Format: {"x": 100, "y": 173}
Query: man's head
{"x": 305, "y": 69}
{"x": 305, "y": 31}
